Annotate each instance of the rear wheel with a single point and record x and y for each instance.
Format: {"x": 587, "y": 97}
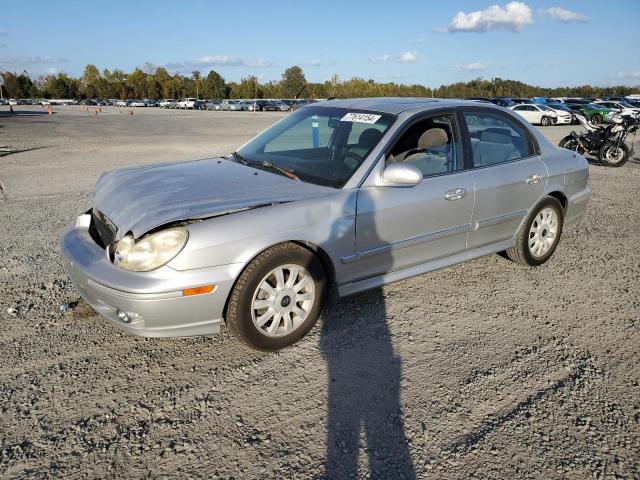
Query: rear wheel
{"x": 277, "y": 298}
{"x": 613, "y": 154}
{"x": 539, "y": 236}
{"x": 570, "y": 144}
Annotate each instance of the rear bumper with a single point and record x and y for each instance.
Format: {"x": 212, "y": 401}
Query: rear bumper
{"x": 154, "y": 298}
{"x": 577, "y": 207}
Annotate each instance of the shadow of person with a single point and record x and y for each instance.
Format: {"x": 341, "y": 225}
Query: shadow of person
{"x": 364, "y": 388}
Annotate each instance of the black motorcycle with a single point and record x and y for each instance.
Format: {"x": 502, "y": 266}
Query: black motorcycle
{"x": 607, "y": 144}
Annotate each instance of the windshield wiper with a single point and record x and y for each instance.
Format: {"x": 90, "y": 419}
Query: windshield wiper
{"x": 265, "y": 164}
{"x": 285, "y": 171}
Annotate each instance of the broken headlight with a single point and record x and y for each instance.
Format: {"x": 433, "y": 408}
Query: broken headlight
{"x": 150, "y": 252}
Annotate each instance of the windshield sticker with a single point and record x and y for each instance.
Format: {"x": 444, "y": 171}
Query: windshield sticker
{"x": 360, "y": 118}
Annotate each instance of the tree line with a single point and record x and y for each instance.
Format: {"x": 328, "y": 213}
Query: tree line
{"x": 156, "y": 82}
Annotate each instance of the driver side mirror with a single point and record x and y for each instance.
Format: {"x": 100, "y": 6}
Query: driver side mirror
{"x": 401, "y": 175}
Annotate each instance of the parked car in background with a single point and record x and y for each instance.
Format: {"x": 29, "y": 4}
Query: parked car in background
{"x": 620, "y": 106}
{"x": 521, "y": 100}
{"x": 4, "y": 101}
{"x": 379, "y": 191}
{"x": 502, "y": 101}
{"x": 189, "y": 103}
{"x": 150, "y": 102}
{"x": 594, "y": 113}
{"x": 536, "y": 114}
{"x": 579, "y": 101}
{"x": 136, "y": 103}
{"x": 164, "y": 103}
{"x": 563, "y": 117}
{"x": 234, "y": 106}
{"x": 561, "y": 107}
{"x": 212, "y": 105}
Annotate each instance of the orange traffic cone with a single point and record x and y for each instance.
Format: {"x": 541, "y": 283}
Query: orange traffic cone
{"x": 95, "y": 111}
{"x": 130, "y": 112}
{"x": 50, "y": 110}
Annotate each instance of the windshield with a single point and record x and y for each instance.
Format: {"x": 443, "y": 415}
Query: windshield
{"x": 625, "y": 105}
{"x": 320, "y": 145}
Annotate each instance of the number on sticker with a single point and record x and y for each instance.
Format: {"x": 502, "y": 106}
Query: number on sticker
{"x": 360, "y": 118}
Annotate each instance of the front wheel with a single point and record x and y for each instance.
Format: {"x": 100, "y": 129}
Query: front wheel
{"x": 539, "y": 236}
{"x": 613, "y": 154}
{"x": 546, "y": 121}
{"x": 277, "y": 298}
{"x": 596, "y": 119}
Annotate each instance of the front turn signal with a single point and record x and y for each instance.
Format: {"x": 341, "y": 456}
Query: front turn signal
{"x": 188, "y": 292}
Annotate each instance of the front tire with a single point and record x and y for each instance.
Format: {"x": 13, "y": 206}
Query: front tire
{"x": 539, "y": 236}
{"x": 546, "y": 121}
{"x": 596, "y": 119}
{"x": 570, "y": 144}
{"x": 278, "y": 297}
{"x": 613, "y": 155}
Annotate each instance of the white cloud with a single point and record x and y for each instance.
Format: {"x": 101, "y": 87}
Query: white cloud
{"x": 407, "y": 56}
{"x": 565, "y": 16}
{"x": 51, "y": 70}
{"x": 219, "y": 61}
{"x": 315, "y": 62}
{"x": 27, "y": 60}
{"x": 472, "y": 67}
{"x": 635, "y": 75}
{"x": 513, "y": 16}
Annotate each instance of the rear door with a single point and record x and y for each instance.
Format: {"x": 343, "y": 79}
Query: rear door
{"x": 509, "y": 176}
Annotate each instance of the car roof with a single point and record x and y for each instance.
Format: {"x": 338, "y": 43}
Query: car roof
{"x": 394, "y": 105}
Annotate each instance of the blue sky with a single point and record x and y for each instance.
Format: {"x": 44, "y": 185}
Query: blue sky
{"x": 548, "y": 43}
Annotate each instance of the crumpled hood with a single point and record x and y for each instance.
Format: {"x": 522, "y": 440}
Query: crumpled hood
{"x": 139, "y": 199}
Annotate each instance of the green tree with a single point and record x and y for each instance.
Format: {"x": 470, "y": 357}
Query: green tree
{"x": 214, "y": 86}
{"x": 293, "y": 83}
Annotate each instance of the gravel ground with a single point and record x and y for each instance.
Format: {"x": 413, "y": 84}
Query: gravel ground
{"x": 482, "y": 370}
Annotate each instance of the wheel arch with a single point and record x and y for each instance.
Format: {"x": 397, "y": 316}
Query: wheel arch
{"x": 561, "y": 197}
{"x": 324, "y": 258}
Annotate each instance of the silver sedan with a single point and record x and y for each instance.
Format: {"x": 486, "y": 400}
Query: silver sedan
{"x": 336, "y": 198}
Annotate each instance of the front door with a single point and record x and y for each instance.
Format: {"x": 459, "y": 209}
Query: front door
{"x": 399, "y": 227}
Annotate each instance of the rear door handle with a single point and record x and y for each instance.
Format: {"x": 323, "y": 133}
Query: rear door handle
{"x": 533, "y": 179}
{"x": 455, "y": 194}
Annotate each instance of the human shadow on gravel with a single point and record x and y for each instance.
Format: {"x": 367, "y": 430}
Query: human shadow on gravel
{"x": 364, "y": 386}
{"x": 364, "y": 391}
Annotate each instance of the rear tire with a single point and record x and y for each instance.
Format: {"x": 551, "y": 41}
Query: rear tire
{"x": 271, "y": 313}
{"x": 570, "y": 144}
{"x": 540, "y": 234}
{"x": 613, "y": 155}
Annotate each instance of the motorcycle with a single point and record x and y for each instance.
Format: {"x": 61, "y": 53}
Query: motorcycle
{"x": 607, "y": 144}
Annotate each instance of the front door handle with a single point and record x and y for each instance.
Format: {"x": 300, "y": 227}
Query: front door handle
{"x": 455, "y": 194}
{"x": 533, "y": 179}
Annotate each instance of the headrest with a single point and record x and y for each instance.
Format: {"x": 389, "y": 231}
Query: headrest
{"x": 496, "y": 135}
{"x": 369, "y": 138}
{"x": 433, "y": 138}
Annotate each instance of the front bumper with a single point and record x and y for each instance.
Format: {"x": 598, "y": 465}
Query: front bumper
{"x": 154, "y": 297}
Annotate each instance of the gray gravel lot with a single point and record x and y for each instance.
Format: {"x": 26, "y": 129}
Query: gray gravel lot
{"x": 482, "y": 370}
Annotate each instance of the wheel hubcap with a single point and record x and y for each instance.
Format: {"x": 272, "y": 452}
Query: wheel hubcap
{"x": 543, "y": 232}
{"x": 614, "y": 154}
{"x": 283, "y": 300}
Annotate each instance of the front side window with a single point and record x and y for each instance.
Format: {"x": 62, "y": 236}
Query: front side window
{"x": 321, "y": 145}
{"x": 496, "y": 139}
{"x": 432, "y": 145}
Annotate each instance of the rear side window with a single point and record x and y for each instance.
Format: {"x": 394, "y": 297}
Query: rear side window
{"x": 496, "y": 139}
